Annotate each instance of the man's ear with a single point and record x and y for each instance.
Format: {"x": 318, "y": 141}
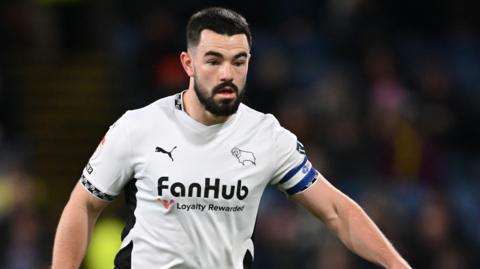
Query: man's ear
{"x": 187, "y": 63}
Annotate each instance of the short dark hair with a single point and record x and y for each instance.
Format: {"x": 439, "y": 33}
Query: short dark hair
{"x": 220, "y": 20}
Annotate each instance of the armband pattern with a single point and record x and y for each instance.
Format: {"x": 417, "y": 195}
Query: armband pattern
{"x": 93, "y": 190}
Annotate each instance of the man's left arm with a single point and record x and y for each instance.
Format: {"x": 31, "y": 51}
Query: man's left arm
{"x": 347, "y": 220}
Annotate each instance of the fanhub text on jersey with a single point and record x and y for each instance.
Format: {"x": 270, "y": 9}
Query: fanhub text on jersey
{"x": 208, "y": 190}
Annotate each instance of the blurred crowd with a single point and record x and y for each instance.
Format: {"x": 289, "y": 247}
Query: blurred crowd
{"x": 385, "y": 95}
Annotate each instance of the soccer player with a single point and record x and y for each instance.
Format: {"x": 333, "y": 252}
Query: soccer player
{"x": 194, "y": 165}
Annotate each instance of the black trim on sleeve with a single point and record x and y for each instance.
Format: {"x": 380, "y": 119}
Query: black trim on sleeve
{"x": 96, "y": 192}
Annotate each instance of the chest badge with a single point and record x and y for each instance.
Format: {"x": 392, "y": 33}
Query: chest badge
{"x": 169, "y": 153}
{"x": 244, "y": 156}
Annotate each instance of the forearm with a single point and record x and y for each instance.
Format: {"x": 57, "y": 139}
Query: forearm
{"x": 72, "y": 236}
{"x": 360, "y": 234}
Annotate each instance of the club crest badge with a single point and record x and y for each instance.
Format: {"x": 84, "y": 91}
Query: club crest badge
{"x": 243, "y": 156}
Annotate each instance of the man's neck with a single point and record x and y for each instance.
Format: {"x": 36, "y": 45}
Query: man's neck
{"x": 197, "y": 111}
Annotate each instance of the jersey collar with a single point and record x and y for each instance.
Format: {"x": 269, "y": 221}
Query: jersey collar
{"x": 200, "y": 127}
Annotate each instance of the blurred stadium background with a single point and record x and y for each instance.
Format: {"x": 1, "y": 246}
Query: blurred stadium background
{"x": 384, "y": 94}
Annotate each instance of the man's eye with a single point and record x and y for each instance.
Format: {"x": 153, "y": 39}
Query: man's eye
{"x": 240, "y": 63}
{"x": 212, "y": 62}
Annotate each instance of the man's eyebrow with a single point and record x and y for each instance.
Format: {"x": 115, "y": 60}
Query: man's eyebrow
{"x": 213, "y": 53}
{"x": 241, "y": 54}
{"x": 217, "y": 54}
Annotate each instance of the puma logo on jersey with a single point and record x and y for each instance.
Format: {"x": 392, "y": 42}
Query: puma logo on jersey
{"x": 244, "y": 156}
{"x": 169, "y": 153}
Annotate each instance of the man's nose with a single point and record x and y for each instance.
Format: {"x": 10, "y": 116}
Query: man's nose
{"x": 226, "y": 72}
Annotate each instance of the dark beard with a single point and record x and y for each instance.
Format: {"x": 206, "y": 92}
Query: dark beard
{"x": 222, "y": 108}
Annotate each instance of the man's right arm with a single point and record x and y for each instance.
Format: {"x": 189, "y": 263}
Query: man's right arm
{"x": 75, "y": 227}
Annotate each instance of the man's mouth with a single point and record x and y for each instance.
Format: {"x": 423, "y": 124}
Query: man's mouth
{"x": 227, "y": 92}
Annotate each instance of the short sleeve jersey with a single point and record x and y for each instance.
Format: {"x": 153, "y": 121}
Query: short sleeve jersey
{"x": 192, "y": 190}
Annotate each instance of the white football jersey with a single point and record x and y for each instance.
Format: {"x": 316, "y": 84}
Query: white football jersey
{"x": 192, "y": 190}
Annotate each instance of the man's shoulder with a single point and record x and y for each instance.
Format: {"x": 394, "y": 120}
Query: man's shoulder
{"x": 265, "y": 123}
{"x": 153, "y": 110}
{"x": 255, "y": 117}
{"x": 264, "y": 126}
{"x": 145, "y": 119}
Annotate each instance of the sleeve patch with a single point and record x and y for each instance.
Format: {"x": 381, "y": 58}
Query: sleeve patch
{"x": 300, "y": 148}
{"x": 89, "y": 168}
